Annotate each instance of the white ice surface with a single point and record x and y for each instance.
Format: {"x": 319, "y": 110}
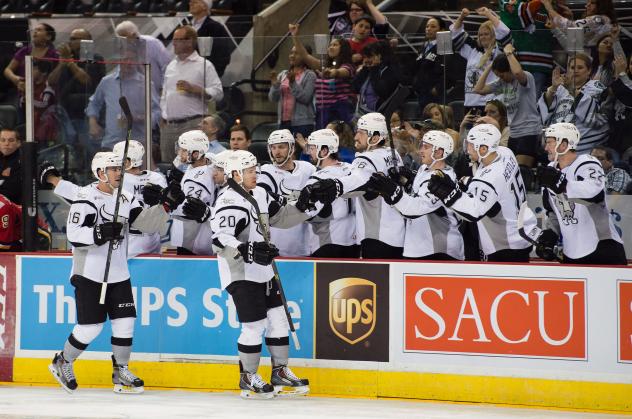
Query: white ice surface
{"x": 50, "y": 402}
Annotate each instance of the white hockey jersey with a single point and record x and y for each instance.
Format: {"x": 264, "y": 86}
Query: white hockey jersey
{"x": 292, "y": 241}
{"x": 338, "y": 225}
{"x": 375, "y": 219}
{"x": 234, "y": 221}
{"x": 493, "y": 199}
{"x": 583, "y": 218}
{"x": 430, "y": 227}
{"x": 89, "y": 208}
{"x": 196, "y": 182}
{"x": 585, "y": 111}
{"x": 142, "y": 242}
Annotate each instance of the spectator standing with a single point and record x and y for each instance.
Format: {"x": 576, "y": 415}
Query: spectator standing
{"x": 428, "y": 75}
{"x": 600, "y": 19}
{"x": 621, "y": 136}
{"x": 617, "y": 179}
{"x": 376, "y": 80}
{"x": 44, "y": 119}
{"x": 154, "y": 51}
{"x": 213, "y": 125}
{"x": 293, "y": 90}
{"x": 10, "y": 165}
{"x": 343, "y": 14}
{"x": 186, "y": 90}
{"x": 223, "y": 45}
{"x": 602, "y": 56}
{"x": 361, "y": 37}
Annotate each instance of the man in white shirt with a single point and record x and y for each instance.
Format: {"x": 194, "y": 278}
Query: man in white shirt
{"x": 189, "y": 82}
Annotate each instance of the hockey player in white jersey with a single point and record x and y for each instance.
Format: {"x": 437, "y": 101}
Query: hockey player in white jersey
{"x": 90, "y": 229}
{"x": 286, "y": 177}
{"x": 380, "y": 228}
{"x": 190, "y": 231}
{"x": 574, "y": 198}
{"x": 244, "y": 260}
{"x": 432, "y": 231}
{"x": 333, "y": 228}
{"x": 492, "y": 197}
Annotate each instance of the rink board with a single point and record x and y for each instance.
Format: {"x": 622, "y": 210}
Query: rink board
{"x": 543, "y": 335}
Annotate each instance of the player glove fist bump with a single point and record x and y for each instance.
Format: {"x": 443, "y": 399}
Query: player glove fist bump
{"x": 260, "y": 253}
{"x": 326, "y": 190}
{"x": 545, "y": 248}
{"x": 386, "y": 187}
{"x": 553, "y": 179}
{"x": 106, "y": 232}
{"x": 171, "y": 196}
{"x": 444, "y": 188}
{"x": 196, "y": 209}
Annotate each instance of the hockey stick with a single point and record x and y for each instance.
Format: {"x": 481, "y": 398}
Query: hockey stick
{"x": 534, "y": 234}
{"x": 387, "y": 109}
{"x": 128, "y": 116}
{"x": 265, "y": 228}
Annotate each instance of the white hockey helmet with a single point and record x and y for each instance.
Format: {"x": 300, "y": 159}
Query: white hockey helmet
{"x": 192, "y": 141}
{"x": 439, "y": 140}
{"x": 238, "y": 161}
{"x": 281, "y": 136}
{"x": 323, "y": 137}
{"x": 135, "y": 152}
{"x": 219, "y": 160}
{"x": 563, "y": 131}
{"x": 373, "y": 123}
{"x": 103, "y": 160}
{"x": 210, "y": 157}
{"x": 484, "y": 135}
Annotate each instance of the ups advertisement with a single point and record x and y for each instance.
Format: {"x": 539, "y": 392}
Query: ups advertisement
{"x": 352, "y": 311}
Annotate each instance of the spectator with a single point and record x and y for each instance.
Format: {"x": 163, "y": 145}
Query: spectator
{"x": 213, "y": 125}
{"x": 376, "y": 80}
{"x": 74, "y": 82}
{"x": 190, "y": 81}
{"x": 240, "y": 138}
{"x": 343, "y": 14}
{"x": 621, "y": 136}
{"x": 334, "y": 96}
{"x": 444, "y": 118}
{"x": 575, "y": 98}
{"x": 602, "y": 57}
{"x": 293, "y": 90}
{"x": 41, "y": 46}
{"x": 346, "y": 148}
{"x": 516, "y": 89}
{"x": 10, "y": 177}
{"x": 617, "y": 179}
{"x": 223, "y": 44}
{"x": 428, "y": 77}
{"x": 599, "y": 20}
{"x": 44, "y": 118}
{"x": 128, "y": 79}
{"x": 361, "y": 37}
{"x": 11, "y": 228}
{"x": 406, "y": 146}
{"x": 150, "y": 49}
{"x": 496, "y": 110}
{"x": 480, "y": 52}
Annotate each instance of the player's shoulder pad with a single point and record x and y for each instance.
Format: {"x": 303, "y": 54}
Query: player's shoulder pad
{"x": 305, "y": 166}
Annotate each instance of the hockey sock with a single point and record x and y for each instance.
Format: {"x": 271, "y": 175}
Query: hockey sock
{"x": 279, "y": 350}
{"x": 249, "y": 356}
{"x": 73, "y": 348}
{"x": 121, "y": 349}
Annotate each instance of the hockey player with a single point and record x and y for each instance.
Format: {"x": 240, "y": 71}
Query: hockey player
{"x": 432, "y": 231}
{"x": 574, "y": 198}
{"x": 492, "y": 197}
{"x": 90, "y": 229}
{"x": 244, "y": 259}
{"x": 379, "y": 227}
{"x": 190, "y": 231}
{"x": 333, "y": 229}
{"x": 286, "y": 177}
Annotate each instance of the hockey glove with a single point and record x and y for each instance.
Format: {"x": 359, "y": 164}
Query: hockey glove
{"x": 386, "y": 187}
{"x": 172, "y": 196}
{"x": 326, "y": 190}
{"x": 106, "y": 232}
{"x": 444, "y": 188}
{"x": 545, "y": 248}
{"x": 403, "y": 176}
{"x": 553, "y": 179}
{"x": 260, "y": 253}
{"x": 303, "y": 203}
{"x": 196, "y": 209}
{"x": 174, "y": 175}
{"x": 47, "y": 169}
{"x": 151, "y": 194}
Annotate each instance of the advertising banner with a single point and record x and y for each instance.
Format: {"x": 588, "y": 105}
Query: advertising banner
{"x": 7, "y": 316}
{"x": 180, "y": 306}
{"x": 352, "y": 311}
{"x": 625, "y": 320}
{"x": 495, "y": 315}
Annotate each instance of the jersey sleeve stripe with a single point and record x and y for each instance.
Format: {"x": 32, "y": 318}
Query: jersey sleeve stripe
{"x": 585, "y": 163}
{"x": 485, "y": 182}
{"x": 269, "y": 176}
{"x": 199, "y": 184}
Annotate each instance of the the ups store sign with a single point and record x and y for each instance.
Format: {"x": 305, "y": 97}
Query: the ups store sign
{"x": 352, "y": 311}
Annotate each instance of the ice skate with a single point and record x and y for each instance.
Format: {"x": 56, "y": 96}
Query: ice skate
{"x": 253, "y": 386}
{"x": 287, "y": 384}
{"x": 125, "y": 381}
{"x": 63, "y": 373}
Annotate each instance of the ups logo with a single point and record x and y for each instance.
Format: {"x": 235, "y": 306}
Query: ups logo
{"x": 352, "y": 308}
